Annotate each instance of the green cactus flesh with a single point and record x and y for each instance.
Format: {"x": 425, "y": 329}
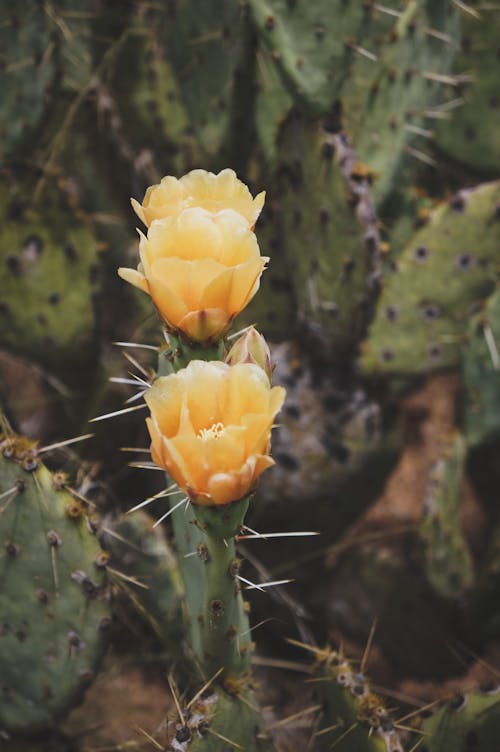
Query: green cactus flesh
{"x": 471, "y": 135}
{"x": 219, "y": 720}
{"x": 354, "y": 718}
{"x": 481, "y": 372}
{"x": 28, "y": 70}
{"x": 467, "y": 722}
{"x": 330, "y": 235}
{"x": 220, "y": 632}
{"x": 309, "y": 43}
{"x": 142, "y": 553}
{"x": 447, "y": 557}
{"x": 147, "y": 108}
{"x": 274, "y": 307}
{"x": 48, "y": 271}
{"x": 446, "y": 270}
{"x": 208, "y": 48}
{"x": 376, "y": 71}
{"x": 388, "y": 101}
{"x": 53, "y": 593}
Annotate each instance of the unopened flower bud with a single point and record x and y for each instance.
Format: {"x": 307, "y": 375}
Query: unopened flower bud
{"x": 251, "y": 347}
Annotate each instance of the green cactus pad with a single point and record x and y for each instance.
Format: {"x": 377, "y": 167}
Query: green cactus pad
{"x": 209, "y": 49}
{"x": 331, "y": 440}
{"x": 53, "y": 593}
{"x": 467, "y": 722}
{"x": 49, "y": 269}
{"x": 142, "y": 553}
{"x": 354, "y": 718}
{"x": 472, "y": 135}
{"x": 481, "y": 372}
{"x": 446, "y": 270}
{"x": 388, "y": 98}
{"x": 274, "y": 307}
{"x": 330, "y": 235}
{"x": 447, "y": 557}
{"x": 377, "y": 71}
{"x": 147, "y": 110}
{"x": 217, "y": 721}
{"x": 309, "y": 44}
{"x": 28, "y": 55}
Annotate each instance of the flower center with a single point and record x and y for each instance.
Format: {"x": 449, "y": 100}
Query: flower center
{"x": 214, "y": 432}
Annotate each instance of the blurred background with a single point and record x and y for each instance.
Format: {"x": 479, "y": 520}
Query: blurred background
{"x": 375, "y": 131}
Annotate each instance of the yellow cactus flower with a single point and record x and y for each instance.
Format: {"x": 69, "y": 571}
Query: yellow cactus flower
{"x": 210, "y": 428}
{"x": 199, "y": 188}
{"x": 201, "y": 270}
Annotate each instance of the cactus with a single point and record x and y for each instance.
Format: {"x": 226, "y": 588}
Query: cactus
{"x": 215, "y": 721}
{"x": 448, "y": 268}
{"x": 28, "y": 71}
{"x": 330, "y": 236}
{"x": 388, "y": 101}
{"x": 210, "y": 50}
{"x": 362, "y": 66}
{"x": 329, "y": 430}
{"x": 49, "y": 271}
{"x": 53, "y": 595}
{"x": 447, "y": 557}
{"x": 353, "y": 718}
{"x": 481, "y": 365}
{"x": 469, "y": 721}
{"x": 470, "y": 136}
{"x": 141, "y": 552}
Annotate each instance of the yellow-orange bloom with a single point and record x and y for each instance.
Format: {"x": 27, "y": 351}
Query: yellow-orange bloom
{"x": 200, "y": 269}
{"x": 210, "y": 428}
{"x": 199, "y": 188}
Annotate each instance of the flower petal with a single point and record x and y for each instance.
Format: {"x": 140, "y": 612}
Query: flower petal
{"x": 134, "y": 277}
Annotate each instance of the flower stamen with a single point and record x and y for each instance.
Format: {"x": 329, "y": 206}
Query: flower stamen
{"x": 214, "y": 432}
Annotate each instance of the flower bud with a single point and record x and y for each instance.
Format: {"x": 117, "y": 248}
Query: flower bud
{"x": 251, "y": 347}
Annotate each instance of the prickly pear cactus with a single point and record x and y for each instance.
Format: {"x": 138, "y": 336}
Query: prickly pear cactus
{"x": 441, "y": 276}
{"x": 471, "y": 135}
{"x": 154, "y": 589}
{"x": 210, "y": 50}
{"x": 396, "y": 87}
{"x": 217, "y": 720}
{"x": 466, "y": 722}
{"x": 53, "y": 592}
{"x": 143, "y": 117}
{"x": 275, "y": 307}
{"x": 309, "y": 45}
{"x": 28, "y": 71}
{"x": 447, "y": 556}
{"x": 49, "y": 269}
{"x": 481, "y": 372}
{"x": 354, "y": 718}
{"x": 330, "y": 433}
{"x": 331, "y": 237}
{"x": 375, "y": 71}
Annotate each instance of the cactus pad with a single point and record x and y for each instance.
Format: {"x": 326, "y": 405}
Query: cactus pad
{"x": 481, "y": 371}
{"x": 48, "y": 272}
{"x": 53, "y": 592}
{"x": 28, "y": 55}
{"x": 467, "y": 722}
{"x": 447, "y": 557}
{"x": 354, "y": 718}
{"x": 446, "y": 270}
{"x": 472, "y": 135}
